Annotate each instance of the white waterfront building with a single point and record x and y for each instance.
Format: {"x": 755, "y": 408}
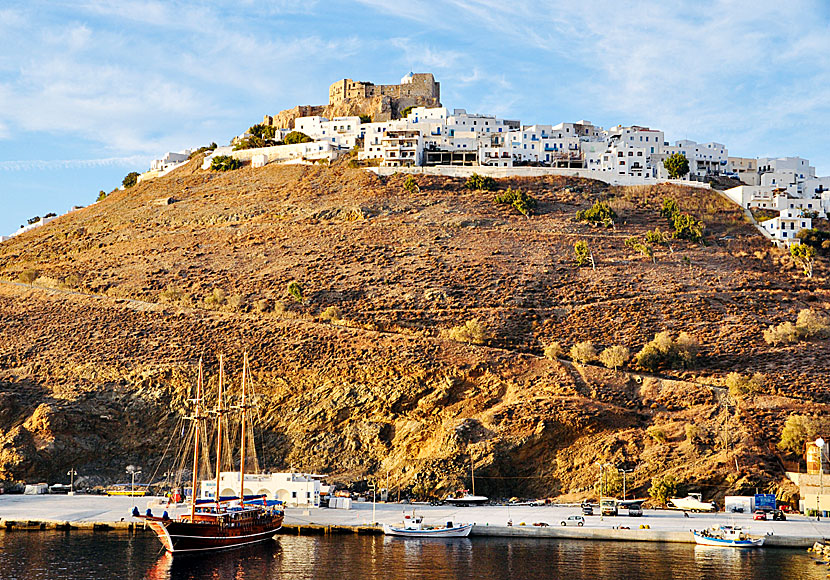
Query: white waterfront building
{"x": 294, "y": 489}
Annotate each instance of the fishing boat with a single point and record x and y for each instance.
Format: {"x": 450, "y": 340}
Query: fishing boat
{"x": 220, "y": 522}
{"x": 727, "y": 537}
{"x": 413, "y": 527}
{"x": 463, "y": 497}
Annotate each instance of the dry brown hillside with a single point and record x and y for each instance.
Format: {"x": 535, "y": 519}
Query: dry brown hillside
{"x": 97, "y": 356}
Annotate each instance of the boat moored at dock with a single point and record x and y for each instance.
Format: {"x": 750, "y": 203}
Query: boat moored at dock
{"x": 413, "y": 527}
{"x": 727, "y": 537}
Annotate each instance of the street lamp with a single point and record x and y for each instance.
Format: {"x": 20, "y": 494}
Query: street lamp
{"x": 72, "y": 473}
{"x": 820, "y": 445}
{"x": 624, "y": 471}
{"x": 133, "y": 470}
{"x": 373, "y": 487}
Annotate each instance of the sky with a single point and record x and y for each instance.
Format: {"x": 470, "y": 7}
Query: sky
{"x": 91, "y": 90}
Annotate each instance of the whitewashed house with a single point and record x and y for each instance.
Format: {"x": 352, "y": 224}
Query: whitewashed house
{"x": 783, "y": 229}
{"x": 295, "y": 489}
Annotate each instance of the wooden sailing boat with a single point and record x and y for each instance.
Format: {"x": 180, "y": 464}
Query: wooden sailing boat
{"x": 221, "y": 522}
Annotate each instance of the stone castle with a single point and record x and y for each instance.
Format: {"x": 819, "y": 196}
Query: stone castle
{"x": 412, "y": 86}
{"x": 380, "y": 102}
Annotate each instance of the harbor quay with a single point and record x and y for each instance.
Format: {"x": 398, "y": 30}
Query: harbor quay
{"x": 113, "y": 513}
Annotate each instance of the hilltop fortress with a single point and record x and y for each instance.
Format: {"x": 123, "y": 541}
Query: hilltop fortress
{"x": 381, "y": 102}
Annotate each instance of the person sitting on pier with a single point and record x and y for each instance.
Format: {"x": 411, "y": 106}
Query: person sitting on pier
{"x": 135, "y": 512}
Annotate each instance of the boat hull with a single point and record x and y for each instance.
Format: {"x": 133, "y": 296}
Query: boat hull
{"x": 724, "y": 543}
{"x": 461, "y": 531}
{"x": 184, "y": 536}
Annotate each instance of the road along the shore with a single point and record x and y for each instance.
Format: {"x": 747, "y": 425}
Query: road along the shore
{"x": 112, "y": 513}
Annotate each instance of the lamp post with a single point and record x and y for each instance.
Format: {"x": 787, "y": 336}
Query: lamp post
{"x": 624, "y": 471}
{"x": 133, "y": 470}
{"x": 373, "y": 487}
{"x": 820, "y": 445}
{"x": 72, "y": 473}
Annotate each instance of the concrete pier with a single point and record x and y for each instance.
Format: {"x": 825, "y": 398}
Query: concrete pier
{"x": 102, "y": 513}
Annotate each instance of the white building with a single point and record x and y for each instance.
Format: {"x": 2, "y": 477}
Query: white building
{"x": 170, "y": 161}
{"x": 402, "y": 148}
{"x": 295, "y": 489}
{"x": 704, "y": 158}
{"x": 783, "y": 229}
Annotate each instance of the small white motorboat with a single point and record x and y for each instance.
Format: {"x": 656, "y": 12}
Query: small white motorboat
{"x": 467, "y": 499}
{"x": 727, "y": 537}
{"x": 413, "y": 527}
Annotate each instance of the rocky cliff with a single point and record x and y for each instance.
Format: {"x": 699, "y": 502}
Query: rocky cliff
{"x": 98, "y": 356}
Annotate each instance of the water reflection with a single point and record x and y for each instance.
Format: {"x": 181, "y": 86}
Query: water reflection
{"x": 105, "y": 556}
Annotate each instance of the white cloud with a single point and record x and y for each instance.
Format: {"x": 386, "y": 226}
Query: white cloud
{"x": 43, "y": 164}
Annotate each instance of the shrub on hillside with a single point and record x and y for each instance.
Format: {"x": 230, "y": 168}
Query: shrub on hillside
{"x": 614, "y": 356}
{"x": 478, "y": 182}
{"x": 171, "y": 295}
{"x": 411, "y": 185}
{"x": 522, "y": 202}
{"x": 295, "y": 291}
{"x": 664, "y": 351}
{"x": 657, "y": 434}
{"x": 656, "y": 237}
{"x": 784, "y": 333}
{"x": 812, "y": 324}
{"x": 798, "y": 429}
{"x": 28, "y": 276}
{"x": 804, "y": 256}
{"x": 553, "y": 351}
{"x": 741, "y": 386}
{"x": 687, "y": 228}
{"x": 224, "y": 163}
{"x": 236, "y": 302}
{"x": 331, "y": 314}
{"x": 583, "y": 352}
{"x": 598, "y": 214}
{"x": 101, "y": 195}
{"x": 634, "y": 243}
{"x": 582, "y": 253}
{"x": 471, "y": 332}
{"x": 216, "y": 298}
{"x": 130, "y": 179}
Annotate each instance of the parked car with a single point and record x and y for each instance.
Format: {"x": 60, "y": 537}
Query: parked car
{"x": 778, "y": 516}
{"x": 760, "y": 515}
{"x": 635, "y": 510}
{"x": 587, "y": 510}
{"x": 574, "y": 521}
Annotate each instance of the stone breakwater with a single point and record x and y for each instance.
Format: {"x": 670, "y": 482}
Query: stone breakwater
{"x": 113, "y": 513}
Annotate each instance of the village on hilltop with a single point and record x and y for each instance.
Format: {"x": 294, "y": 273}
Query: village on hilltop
{"x": 404, "y": 127}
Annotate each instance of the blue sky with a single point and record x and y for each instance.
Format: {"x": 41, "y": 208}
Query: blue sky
{"x": 93, "y": 89}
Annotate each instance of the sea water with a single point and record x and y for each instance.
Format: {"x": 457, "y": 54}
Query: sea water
{"x": 51, "y": 555}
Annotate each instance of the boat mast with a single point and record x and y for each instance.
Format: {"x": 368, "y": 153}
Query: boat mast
{"x": 197, "y": 417}
{"x": 219, "y": 411}
{"x": 244, "y": 413}
{"x": 473, "y": 473}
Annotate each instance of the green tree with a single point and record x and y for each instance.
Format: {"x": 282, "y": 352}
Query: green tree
{"x": 582, "y": 252}
{"x": 405, "y": 112}
{"x": 295, "y": 291}
{"x": 662, "y": 489}
{"x": 599, "y": 214}
{"x": 740, "y": 386}
{"x": 295, "y": 137}
{"x": 411, "y": 185}
{"x": 101, "y": 195}
{"x": 677, "y": 165}
{"x": 130, "y": 179}
{"x": 798, "y": 429}
{"x": 365, "y": 118}
{"x": 669, "y": 209}
{"x": 263, "y": 131}
{"x": 224, "y": 163}
{"x": 687, "y": 228}
{"x": 583, "y": 352}
{"x": 804, "y": 256}
{"x": 614, "y": 356}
